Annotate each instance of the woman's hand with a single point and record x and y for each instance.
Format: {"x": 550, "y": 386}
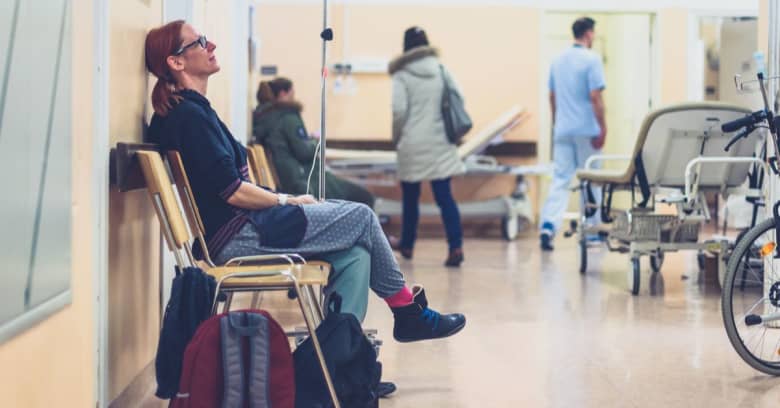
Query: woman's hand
{"x": 302, "y": 199}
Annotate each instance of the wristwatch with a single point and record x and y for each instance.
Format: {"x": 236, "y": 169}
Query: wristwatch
{"x": 282, "y": 199}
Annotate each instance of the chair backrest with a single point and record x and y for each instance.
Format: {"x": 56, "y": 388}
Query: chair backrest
{"x": 158, "y": 184}
{"x": 185, "y": 192}
{"x": 673, "y": 136}
{"x": 261, "y": 166}
{"x": 188, "y": 200}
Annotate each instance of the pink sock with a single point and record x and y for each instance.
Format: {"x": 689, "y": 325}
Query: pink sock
{"x": 402, "y": 298}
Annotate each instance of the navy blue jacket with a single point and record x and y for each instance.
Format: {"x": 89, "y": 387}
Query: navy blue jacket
{"x": 216, "y": 166}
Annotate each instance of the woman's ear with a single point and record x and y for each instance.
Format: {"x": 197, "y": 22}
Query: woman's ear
{"x": 174, "y": 63}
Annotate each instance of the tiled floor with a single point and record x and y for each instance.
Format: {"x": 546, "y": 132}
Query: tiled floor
{"x": 541, "y": 335}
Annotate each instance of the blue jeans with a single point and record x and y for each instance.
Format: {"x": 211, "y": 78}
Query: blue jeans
{"x": 450, "y": 215}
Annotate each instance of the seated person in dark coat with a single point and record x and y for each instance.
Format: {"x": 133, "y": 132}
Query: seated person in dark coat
{"x": 278, "y": 126}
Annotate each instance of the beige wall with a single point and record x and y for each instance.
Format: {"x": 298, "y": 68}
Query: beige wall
{"x": 133, "y": 230}
{"x": 673, "y": 29}
{"x": 492, "y": 82}
{"x": 53, "y": 363}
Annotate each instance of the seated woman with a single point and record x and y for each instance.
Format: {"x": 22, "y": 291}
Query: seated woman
{"x": 241, "y": 218}
{"x": 277, "y": 124}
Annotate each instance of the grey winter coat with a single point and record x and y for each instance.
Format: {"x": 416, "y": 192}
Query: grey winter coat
{"x": 424, "y": 153}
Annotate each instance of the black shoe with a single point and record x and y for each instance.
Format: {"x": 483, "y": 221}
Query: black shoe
{"x": 455, "y": 258}
{"x": 406, "y": 252}
{"x": 545, "y": 240}
{"x": 415, "y": 321}
{"x": 384, "y": 389}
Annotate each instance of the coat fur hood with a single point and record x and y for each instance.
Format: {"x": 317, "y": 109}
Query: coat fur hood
{"x": 410, "y": 56}
{"x": 294, "y": 106}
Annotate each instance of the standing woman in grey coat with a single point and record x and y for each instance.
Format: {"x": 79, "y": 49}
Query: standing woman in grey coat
{"x": 424, "y": 152}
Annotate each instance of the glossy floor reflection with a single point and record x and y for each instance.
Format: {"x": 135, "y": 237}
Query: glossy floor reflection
{"x": 541, "y": 335}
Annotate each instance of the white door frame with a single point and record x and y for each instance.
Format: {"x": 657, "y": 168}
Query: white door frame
{"x": 100, "y": 191}
{"x": 239, "y": 106}
{"x": 694, "y": 17}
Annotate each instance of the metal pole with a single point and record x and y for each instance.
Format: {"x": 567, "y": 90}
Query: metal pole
{"x": 773, "y": 69}
{"x": 326, "y": 35}
{"x": 773, "y": 55}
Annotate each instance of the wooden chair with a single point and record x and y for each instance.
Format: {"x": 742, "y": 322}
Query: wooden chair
{"x": 240, "y": 274}
{"x": 260, "y": 166}
{"x": 195, "y": 223}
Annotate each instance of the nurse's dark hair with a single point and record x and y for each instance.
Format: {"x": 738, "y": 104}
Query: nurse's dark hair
{"x": 582, "y": 26}
{"x": 268, "y": 91}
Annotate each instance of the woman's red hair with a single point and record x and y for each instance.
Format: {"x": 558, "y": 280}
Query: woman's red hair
{"x": 162, "y": 42}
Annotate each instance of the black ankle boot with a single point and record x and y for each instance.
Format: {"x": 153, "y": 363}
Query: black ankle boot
{"x": 455, "y": 258}
{"x": 415, "y": 321}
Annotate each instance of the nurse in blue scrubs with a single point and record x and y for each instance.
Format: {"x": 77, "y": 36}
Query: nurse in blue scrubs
{"x": 579, "y": 130}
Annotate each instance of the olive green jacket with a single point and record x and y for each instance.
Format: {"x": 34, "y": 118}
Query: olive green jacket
{"x": 279, "y": 128}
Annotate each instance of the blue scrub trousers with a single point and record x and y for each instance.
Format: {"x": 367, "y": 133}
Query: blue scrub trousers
{"x": 569, "y": 155}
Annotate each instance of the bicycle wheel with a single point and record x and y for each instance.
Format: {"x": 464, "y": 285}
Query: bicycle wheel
{"x": 751, "y": 288}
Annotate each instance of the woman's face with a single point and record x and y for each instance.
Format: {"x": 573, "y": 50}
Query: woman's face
{"x": 195, "y": 59}
{"x": 286, "y": 96}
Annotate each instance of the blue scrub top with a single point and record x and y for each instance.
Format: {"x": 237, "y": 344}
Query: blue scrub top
{"x": 573, "y": 76}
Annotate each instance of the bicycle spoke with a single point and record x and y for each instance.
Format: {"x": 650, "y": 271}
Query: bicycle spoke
{"x": 753, "y": 307}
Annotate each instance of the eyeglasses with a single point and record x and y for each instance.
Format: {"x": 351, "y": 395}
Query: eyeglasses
{"x": 202, "y": 41}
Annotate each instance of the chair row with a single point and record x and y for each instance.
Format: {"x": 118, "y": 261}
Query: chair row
{"x": 252, "y": 274}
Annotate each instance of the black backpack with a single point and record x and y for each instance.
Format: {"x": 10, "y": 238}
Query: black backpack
{"x": 351, "y": 361}
{"x": 192, "y": 294}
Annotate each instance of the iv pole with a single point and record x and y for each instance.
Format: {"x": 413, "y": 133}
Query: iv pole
{"x": 326, "y": 35}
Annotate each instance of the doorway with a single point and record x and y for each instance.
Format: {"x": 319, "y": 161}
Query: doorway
{"x": 721, "y": 47}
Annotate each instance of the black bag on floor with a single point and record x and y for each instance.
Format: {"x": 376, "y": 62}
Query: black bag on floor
{"x": 192, "y": 294}
{"x": 351, "y": 361}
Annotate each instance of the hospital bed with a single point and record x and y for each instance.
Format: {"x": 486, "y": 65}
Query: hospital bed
{"x": 678, "y": 156}
{"x": 378, "y": 167}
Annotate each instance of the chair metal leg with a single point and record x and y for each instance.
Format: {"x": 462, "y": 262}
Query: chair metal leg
{"x": 228, "y": 301}
{"x": 316, "y": 343}
{"x": 255, "y": 299}
{"x": 313, "y": 301}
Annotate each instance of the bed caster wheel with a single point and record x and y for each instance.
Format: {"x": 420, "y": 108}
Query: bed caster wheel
{"x": 583, "y": 256}
{"x": 656, "y": 261}
{"x": 633, "y": 276}
{"x": 509, "y": 228}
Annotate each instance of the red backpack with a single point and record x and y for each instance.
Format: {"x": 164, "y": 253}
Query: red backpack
{"x": 237, "y": 359}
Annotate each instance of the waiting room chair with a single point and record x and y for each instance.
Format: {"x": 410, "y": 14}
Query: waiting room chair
{"x": 261, "y": 166}
{"x": 240, "y": 274}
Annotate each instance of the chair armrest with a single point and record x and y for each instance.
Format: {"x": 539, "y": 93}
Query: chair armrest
{"x": 605, "y": 157}
{"x": 287, "y": 258}
{"x": 690, "y": 188}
